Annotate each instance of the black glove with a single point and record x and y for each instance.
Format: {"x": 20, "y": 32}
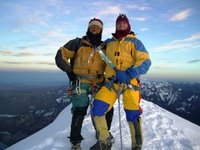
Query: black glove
{"x": 71, "y": 76}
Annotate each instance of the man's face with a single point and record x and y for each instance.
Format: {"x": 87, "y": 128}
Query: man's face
{"x": 95, "y": 29}
{"x": 122, "y": 25}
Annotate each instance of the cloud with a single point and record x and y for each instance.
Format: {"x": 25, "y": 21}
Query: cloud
{"x": 109, "y": 8}
{"x": 164, "y": 66}
{"x": 144, "y": 29}
{"x": 194, "y": 61}
{"x": 48, "y": 54}
{"x": 141, "y": 7}
{"x": 108, "y": 30}
{"x": 140, "y": 18}
{"x": 25, "y": 17}
{"x": 181, "y": 15}
{"x": 24, "y": 54}
{"x": 31, "y": 46}
{"x": 52, "y": 2}
{"x": 45, "y": 63}
{"x": 193, "y": 37}
{"x": 6, "y": 52}
{"x": 41, "y": 13}
{"x": 18, "y": 54}
{"x": 25, "y": 63}
{"x": 57, "y": 32}
{"x": 106, "y": 8}
{"x": 17, "y": 63}
{"x": 189, "y": 43}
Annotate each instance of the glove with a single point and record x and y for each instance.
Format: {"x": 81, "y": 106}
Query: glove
{"x": 71, "y": 76}
{"x": 126, "y": 76}
{"x": 132, "y": 72}
{"x": 123, "y": 76}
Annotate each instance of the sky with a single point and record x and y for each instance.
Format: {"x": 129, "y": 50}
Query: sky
{"x": 155, "y": 120}
{"x": 31, "y": 32}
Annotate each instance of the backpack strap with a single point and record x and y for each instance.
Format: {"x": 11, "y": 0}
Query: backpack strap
{"x": 77, "y": 45}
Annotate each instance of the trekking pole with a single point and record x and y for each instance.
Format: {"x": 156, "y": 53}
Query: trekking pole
{"x": 119, "y": 113}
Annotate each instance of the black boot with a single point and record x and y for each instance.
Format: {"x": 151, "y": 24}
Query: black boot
{"x": 137, "y": 148}
{"x": 101, "y": 146}
{"x": 76, "y": 146}
{"x": 112, "y": 139}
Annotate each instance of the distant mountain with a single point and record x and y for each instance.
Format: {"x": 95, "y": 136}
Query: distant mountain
{"x": 25, "y": 110}
{"x": 162, "y": 131}
{"x": 181, "y": 98}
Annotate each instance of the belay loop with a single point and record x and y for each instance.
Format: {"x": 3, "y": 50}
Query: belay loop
{"x": 78, "y": 86}
{"x": 121, "y": 86}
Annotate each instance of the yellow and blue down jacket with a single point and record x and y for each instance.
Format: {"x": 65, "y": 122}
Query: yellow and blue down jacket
{"x": 126, "y": 53}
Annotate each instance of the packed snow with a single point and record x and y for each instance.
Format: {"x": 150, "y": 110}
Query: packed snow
{"x": 162, "y": 131}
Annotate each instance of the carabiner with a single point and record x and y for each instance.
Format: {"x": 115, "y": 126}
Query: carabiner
{"x": 78, "y": 86}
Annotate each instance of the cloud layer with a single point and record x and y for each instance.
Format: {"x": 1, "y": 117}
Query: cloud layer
{"x": 182, "y": 15}
{"x": 187, "y": 44}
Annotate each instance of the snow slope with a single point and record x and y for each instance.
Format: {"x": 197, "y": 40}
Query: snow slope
{"x": 162, "y": 131}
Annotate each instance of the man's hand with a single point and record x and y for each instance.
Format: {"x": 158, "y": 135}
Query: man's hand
{"x": 123, "y": 76}
{"x": 71, "y": 76}
{"x": 126, "y": 76}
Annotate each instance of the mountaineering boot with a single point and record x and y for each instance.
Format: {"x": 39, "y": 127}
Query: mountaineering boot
{"x": 112, "y": 139}
{"x": 137, "y": 148}
{"x": 101, "y": 146}
{"x": 76, "y": 146}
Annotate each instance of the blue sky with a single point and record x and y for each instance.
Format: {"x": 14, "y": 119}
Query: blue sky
{"x": 31, "y": 32}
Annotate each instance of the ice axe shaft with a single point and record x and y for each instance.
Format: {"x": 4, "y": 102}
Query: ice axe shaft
{"x": 103, "y": 56}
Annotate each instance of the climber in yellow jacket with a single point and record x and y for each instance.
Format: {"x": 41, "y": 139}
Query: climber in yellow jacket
{"x": 72, "y": 58}
{"x": 132, "y": 60}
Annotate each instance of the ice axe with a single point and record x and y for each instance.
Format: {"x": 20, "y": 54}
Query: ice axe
{"x": 103, "y": 56}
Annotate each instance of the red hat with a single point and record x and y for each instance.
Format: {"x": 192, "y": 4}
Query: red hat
{"x": 122, "y": 17}
{"x": 119, "y": 34}
{"x": 96, "y": 22}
